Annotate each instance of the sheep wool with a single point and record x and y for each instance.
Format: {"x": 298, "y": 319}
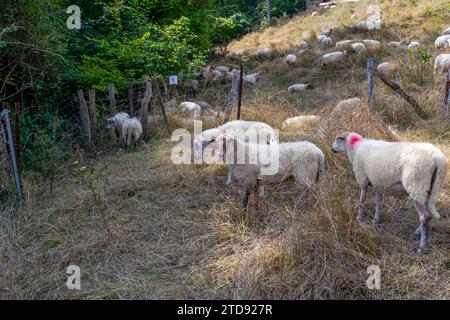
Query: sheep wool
{"x": 446, "y": 31}
{"x": 442, "y": 42}
{"x": 333, "y": 58}
{"x": 344, "y": 44}
{"x": 291, "y": 59}
{"x": 131, "y": 132}
{"x": 442, "y": 62}
{"x": 347, "y": 104}
{"x": 300, "y": 121}
{"x": 300, "y": 87}
{"x": 359, "y": 47}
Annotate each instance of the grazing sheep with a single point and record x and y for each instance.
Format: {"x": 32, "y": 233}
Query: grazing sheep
{"x": 291, "y": 59}
{"x": 116, "y": 123}
{"x": 442, "y": 42}
{"x": 190, "y": 109}
{"x": 327, "y": 32}
{"x": 303, "y": 161}
{"x": 325, "y": 41}
{"x": 264, "y": 53}
{"x": 131, "y": 132}
{"x": 347, "y": 104}
{"x": 359, "y": 47}
{"x": 234, "y": 128}
{"x": 395, "y": 44}
{"x": 442, "y": 62}
{"x": 368, "y": 25}
{"x": 251, "y": 78}
{"x": 344, "y": 44}
{"x": 300, "y": 121}
{"x": 303, "y": 46}
{"x": 314, "y": 13}
{"x": 396, "y": 168}
{"x": 414, "y": 45}
{"x": 383, "y": 67}
{"x": 333, "y": 58}
{"x": 405, "y": 42}
{"x": 446, "y": 32}
{"x": 372, "y": 44}
{"x": 300, "y": 87}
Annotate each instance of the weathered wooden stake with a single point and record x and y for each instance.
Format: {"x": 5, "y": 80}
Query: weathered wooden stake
{"x": 447, "y": 94}
{"x": 4, "y": 105}
{"x": 160, "y": 101}
{"x": 92, "y": 111}
{"x": 17, "y": 131}
{"x": 371, "y": 94}
{"x": 112, "y": 97}
{"x": 241, "y": 80}
{"x": 84, "y": 116}
{"x": 130, "y": 100}
{"x": 233, "y": 95}
{"x": 144, "y": 107}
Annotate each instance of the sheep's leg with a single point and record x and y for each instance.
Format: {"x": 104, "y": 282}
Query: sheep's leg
{"x": 362, "y": 200}
{"x": 425, "y": 218}
{"x": 246, "y": 196}
{"x": 229, "y": 177}
{"x": 377, "y": 207}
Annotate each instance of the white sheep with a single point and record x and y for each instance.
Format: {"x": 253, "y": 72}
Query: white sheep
{"x": 300, "y": 87}
{"x": 344, "y": 44}
{"x": 251, "y": 78}
{"x": 302, "y": 160}
{"x": 116, "y": 123}
{"x": 131, "y": 132}
{"x": 359, "y": 47}
{"x": 190, "y": 109}
{"x": 314, "y": 13}
{"x": 222, "y": 68}
{"x": 446, "y": 32}
{"x": 414, "y": 45}
{"x": 237, "y": 129}
{"x": 325, "y": 41}
{"x": 333, "y": 58}
{"x": 396, "y": 168}
{"x": 300, "y": 121}
{"x": 368, "y": 25}
{"x": 372, "y": 44}
{"x": 347, "y": 104}
{"x": 442, "y": 42}
{"x": 291, "y": 59}
{"x": 395, "y": 44}
{"x": 303, "y": 46}
{"x": 264, "y": 53}
{"x": 442, "y": 62}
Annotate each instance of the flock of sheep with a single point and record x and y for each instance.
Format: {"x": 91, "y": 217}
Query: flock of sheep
{"x": 417, "y": 170}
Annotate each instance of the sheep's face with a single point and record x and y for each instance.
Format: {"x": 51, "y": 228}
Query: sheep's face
{"x": 340, "y": 144}
{"x": 110, "y": 123}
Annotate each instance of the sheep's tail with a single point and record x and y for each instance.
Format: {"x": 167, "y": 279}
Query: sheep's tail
{"x": 437, "y": 181}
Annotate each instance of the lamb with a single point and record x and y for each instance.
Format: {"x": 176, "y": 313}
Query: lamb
{"x": 359, "y": 47}
{"x": 251, "y": 78}
{"x": 397, "y": 168}
{"x": 234, "y": 128}
{"x": 301, "y": 160}
{"x": 131, "y": 132}
{"x": 347, "y": 104}
{"x": 291, "y": 59}
{"x": 372, "y": 44}
{"x": 300, "y": 87}
{"x": 325, "y": 41}
{"x": 116, "y": 123}
{"x": 446, "y": 32}
{"x": 344, "y": 44}
{"x": 442, "y": 62}
{"x": 442, "y": 42}
{"x": 333, "y": 57}
{"x": 300, "y": 121}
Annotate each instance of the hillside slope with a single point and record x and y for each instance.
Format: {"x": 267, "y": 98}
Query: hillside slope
{"x": 141, "y": 227}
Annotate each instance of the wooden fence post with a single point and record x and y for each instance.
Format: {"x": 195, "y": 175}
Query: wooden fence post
{"x": 447, "y": 94}
{"x": 130, "y": 100}
{"x": 144, "y": 107}
{"x": 92, "y": 111}
{"x": 233, "y": 95}
{"x": 241, "y": 80}
{"x": 160, "y": 100}
{"x": 370, "y": 73}
{"x": 4, "y": 105}
{"x": 84, "y": 116}
{"x": 112, "y": 98}
{"x": 17, "y": 131}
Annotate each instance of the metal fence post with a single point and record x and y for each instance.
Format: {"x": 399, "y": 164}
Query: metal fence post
{"x": 12, "y": 153}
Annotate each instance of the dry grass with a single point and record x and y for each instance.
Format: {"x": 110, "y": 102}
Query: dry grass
{"x": 141, "y": 227}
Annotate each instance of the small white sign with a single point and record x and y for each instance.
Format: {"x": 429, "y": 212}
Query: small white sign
{"x": 173, "y": 80}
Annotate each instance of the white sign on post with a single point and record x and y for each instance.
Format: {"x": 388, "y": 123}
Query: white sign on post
{"x": 173, "y": 80}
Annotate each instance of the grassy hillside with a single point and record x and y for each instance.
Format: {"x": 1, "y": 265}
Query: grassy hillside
{"x": 142, "y": 227}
